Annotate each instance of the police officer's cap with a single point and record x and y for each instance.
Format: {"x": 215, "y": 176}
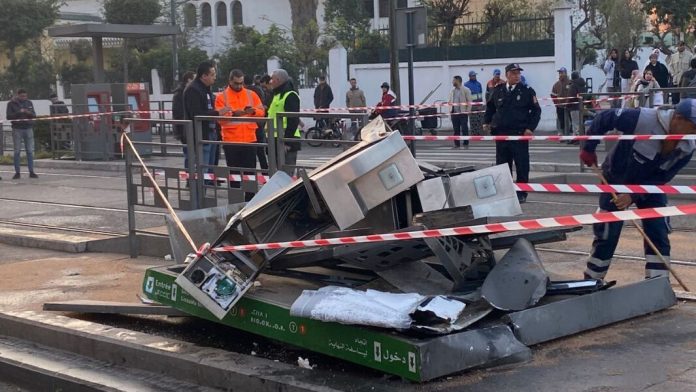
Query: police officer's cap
{"x": 513, "y": 67}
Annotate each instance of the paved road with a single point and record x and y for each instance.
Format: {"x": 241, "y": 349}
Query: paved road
{"x": 479, "y": 153}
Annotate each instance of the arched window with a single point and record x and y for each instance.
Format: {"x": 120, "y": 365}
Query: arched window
{"x": 190, "y": 15}
{"x": 206, "y": 15}
{"x": 221, "y": 14}
{"x": 237, "y": 13}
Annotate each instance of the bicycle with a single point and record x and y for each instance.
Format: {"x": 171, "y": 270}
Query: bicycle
{"x": 320, "y": 132}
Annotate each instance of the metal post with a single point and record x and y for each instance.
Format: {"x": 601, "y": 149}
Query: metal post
{"x": 162, "y": 129}
{"x": 411, "y": 93}
{"x": 581, "y": 126}
{"x": 191, "y": 166}
{"x": 175, "y": 50}
{"x": 651, "y": 98}
{"x": 280, "y": 143}
{"x": 271, "y": 142}
{"x": 133, "y": 246}
{"x": 196, "y": 158}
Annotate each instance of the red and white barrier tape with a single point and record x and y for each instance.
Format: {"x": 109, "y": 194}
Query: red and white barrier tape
{"x": 602, "y": 188}
{"x": 447, "y": 104}
{"x": 551, "y": 137}
{"x": 529, "y": 224}
{"x": 522, "y": 187}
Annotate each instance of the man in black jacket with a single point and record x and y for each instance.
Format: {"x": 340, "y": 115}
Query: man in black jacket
{"x": 323, "y": 96}
{"x": 199, "y": 100}
{"x": 21, "y": 110}
{"x": 513, "y": 109}
{"x": 285, "y": 99}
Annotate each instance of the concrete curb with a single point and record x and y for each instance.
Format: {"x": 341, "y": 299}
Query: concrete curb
{"x": 176, "y": 359}
{"x": 44, "y": 240}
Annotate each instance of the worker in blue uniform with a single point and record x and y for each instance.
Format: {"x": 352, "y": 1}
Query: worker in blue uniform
{"x": 645, "y": 162}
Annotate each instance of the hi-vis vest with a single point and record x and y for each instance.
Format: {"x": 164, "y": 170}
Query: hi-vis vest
{"x": 277, "y": 106}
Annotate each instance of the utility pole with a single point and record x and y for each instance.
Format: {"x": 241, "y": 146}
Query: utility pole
{"x": 175, "y": 50}
{"x": 393, "y": 52}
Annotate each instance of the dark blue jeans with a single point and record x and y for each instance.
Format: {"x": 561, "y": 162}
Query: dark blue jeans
{"x": 606, "y": 238}
{"x": 26, "y": 136}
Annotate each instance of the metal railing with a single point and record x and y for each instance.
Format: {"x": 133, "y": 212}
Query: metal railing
{"x": 182, "y": 193}
{"x": 281, "y": 141}
{"x": 249, "y": 183}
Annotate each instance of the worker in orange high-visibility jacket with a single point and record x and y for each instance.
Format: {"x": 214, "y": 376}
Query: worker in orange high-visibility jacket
{"x": 241, "y": 102}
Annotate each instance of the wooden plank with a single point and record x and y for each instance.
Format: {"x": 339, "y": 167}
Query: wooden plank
{"x": 685, "y": 295}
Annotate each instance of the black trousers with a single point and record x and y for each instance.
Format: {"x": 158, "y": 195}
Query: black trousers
{"x": 460, "y": 125}
{"x": 242, "y": 157}
{"x": 514, "y": 152}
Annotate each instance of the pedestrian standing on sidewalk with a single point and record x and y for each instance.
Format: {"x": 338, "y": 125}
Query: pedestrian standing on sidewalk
{"x": 626, "y": 67}
{"x": 559, "y": 95}
{"x": 356, "y": 103}
{"x": 475, "y": 119}
{"x": 649, "y": 162}
{"x": 613, "y": 79}
{"x": 493, "y": 83}
{"x": 513, "y": 110}
{"x": 21, "y": 110}
{"x": 576, "y": 88}
{"x": 199, "y": 100}
{"x": 459, "y": 102}
{"x": 678, "y": 63}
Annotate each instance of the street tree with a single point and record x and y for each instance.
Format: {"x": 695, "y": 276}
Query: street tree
{"x": 141, "y": 12}
{"x": 252, "y": 48}
{"x": 445, "y": 14}
{"x": 347, "y": 21}
{"x": 23, "y": 21}
{"x": 589, "y": 31}
{"x": 310, "y": 51}
{"x": 669, "y": 17}
{"x": 625, "y": 22}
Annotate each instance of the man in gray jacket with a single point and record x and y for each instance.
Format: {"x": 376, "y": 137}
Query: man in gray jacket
{"x": 21, "y": 112}
{"x": 355, "y": 102}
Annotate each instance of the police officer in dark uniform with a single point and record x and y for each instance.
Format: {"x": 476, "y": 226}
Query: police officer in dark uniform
{"x": 513, "y": 109}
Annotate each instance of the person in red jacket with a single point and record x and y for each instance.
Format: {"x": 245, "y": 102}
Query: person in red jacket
{"x": 388, "y": 99}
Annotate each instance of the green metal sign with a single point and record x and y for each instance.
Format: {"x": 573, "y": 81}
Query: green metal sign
{"x": 379, "y": 350}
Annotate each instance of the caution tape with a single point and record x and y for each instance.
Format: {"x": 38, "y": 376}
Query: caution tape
{"x": 502, "y": 138}
{"x": 529, "y": 224}
{"x": 602, "y": 188}
{"x": 95, "y": 115}
{"x": 521, "y": 187}
{"x": 447, "y": 104}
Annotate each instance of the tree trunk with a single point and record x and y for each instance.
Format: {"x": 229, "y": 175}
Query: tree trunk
{"x": 302, "y": 12}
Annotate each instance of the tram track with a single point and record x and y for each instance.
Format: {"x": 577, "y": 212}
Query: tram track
{"x": 81, "y": 206}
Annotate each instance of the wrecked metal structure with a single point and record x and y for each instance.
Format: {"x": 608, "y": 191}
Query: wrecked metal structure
{"x": 417, "y": 308}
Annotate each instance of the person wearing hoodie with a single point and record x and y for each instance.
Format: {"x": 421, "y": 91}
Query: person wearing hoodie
{"x": 21, "y": 110}
{"x": 285, "y": 99}
{"x": 576, "y": 87}
{"x": 626, "y": 66}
